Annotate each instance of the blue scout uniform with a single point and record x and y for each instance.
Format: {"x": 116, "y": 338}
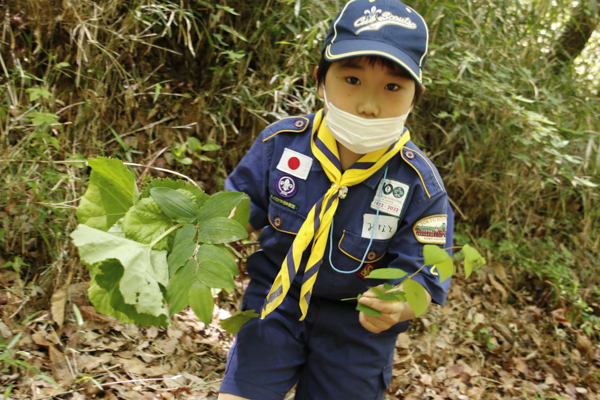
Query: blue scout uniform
{"x": 329, "y": 352}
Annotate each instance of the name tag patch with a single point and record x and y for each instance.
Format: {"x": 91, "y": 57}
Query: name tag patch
{"x": 295, "y": 164}
{"x": 385, "y": 229}
{"x": 431, "y": 230}
{"x": 393, "y": 197}
{"x": 284, "y": 202}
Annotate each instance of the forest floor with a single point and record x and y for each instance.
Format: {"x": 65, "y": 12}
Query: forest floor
{"x": 478, "y": 346}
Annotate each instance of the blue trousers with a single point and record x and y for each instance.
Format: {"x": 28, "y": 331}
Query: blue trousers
{"x": 328, "y": 354}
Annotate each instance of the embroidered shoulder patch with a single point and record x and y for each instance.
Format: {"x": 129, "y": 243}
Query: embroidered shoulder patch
{"x": 432, "y": 229}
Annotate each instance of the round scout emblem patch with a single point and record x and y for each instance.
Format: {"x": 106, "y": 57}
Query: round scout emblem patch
{"x": 286, "y": 186}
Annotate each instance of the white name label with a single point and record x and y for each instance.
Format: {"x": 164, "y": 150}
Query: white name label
{"x": 384, "y": 229}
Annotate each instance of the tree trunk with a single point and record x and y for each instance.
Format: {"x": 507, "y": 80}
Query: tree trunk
{"x": 577, "y": 33}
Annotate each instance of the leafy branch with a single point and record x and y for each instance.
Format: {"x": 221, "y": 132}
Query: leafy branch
{"x": 412, "y": 291}
{"x": 152, "y": 254}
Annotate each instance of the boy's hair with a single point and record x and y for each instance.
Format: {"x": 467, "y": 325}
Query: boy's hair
{"x": 372, "y": 61}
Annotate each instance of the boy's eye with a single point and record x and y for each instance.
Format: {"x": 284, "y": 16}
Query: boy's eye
{"x": 392, "y": 86}
{"x": 353, "y": 80}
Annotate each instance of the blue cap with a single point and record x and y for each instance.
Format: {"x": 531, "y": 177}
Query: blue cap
{"x": 383, "y": 28}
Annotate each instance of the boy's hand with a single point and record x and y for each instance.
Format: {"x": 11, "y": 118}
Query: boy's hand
{"x": 391, "y": 312}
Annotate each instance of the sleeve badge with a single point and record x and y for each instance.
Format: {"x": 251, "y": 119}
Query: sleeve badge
{"x": 432, "y": 229}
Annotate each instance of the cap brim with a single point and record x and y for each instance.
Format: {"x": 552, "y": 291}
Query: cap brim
{"x": 363, "y": 48}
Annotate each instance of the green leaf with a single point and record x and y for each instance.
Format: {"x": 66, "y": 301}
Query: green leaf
{"x": 145, "y": 222}
{"x": 179, "y": 255}
{"x": 221, "y": 230}
{"x": 144, "y": 269}
{"x": 416, "y": 296}
{"x": 110, "y": 193}
{"x": 386, "y": 273}
{"x": 446, "y": 269}
{"x": 220, "y": 205}
{"x": 179, "y": 287}
{"x": 218, "y": 254}
{"x": 212, "y": 274}
{"x": 434, "y": 254}
{"x": 210, "y": 147}
{"x": 197, "y": 194}
{"x": 242, "y": 211}
{"x": 175, "y": 205}
{"x": 227, "y": 8}
{"x": 105, "y": 295}
{"x": 367, "y": 310}
{"x": 201, "y": 301}
{"x": 38, "y": 118}
{"x": 36, "y": 92}
{"x": 234, "y": 323}
{"x": 473, "y": 259}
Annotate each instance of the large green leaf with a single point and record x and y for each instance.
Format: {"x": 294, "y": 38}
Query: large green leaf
{"x": 144, "y": 269}
{"x": 434, "y": 254}
{"x": 183, "y": 248}
{"x": 242, "y": 211}
{"x": 221, "y": 255}
{"x": 416, "y": 296}
{"x": 179, "y": 287}
{"x": 175, "y": 205}
{"x": 111, "y": 192}
{"x": 446, "y": 269}
{"x": 212, "y": 274}
{"x": 221, "y": 204}
{"x": 221, "y": 230}
{"x": 145, "y": 222}
{"x": 196, "y": 194}
{"x": 201, "y": 301}
{"x": 106, "y": 297}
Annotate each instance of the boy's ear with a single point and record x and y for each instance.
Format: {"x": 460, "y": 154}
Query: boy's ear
{"x": 319, "y": 87}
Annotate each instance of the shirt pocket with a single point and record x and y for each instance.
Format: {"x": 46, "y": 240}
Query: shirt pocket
{"x": 346, "y": 256}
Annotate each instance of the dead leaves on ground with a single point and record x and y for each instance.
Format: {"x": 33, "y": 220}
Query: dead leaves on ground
{"x": 475, "y": 347}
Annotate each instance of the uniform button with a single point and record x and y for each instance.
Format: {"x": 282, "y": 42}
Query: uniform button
{"x": 299, "y": 123}
{"x": 410, "y": 155}
{"x": 371, "y": 256}
{"x": 277, "y": 222}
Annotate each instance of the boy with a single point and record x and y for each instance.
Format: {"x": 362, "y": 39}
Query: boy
{"x": 339, "y": 193}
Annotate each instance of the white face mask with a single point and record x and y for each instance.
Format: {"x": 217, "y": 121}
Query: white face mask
{"x": 362, "y": 135}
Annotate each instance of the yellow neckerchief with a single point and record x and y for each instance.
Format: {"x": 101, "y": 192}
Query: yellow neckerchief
{"x": 319, "y": 219}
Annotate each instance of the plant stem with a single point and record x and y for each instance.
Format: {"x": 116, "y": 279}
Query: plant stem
{"x": 416, "y": 272}
{"x": 171, "y": 229}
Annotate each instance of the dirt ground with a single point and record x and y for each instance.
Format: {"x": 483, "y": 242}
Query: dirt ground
{"x": 478, "y": 346}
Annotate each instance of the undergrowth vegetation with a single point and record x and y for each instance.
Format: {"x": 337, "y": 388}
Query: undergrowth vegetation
{"x": 187, "y": 85}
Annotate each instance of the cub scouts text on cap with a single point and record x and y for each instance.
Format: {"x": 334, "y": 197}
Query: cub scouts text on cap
{"x": 295, "y": 164}
{"x": 380, "y": 28}
{"x": 432, "y": 229}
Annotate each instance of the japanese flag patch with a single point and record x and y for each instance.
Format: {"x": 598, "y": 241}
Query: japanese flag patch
{"x": 431, "y": 230}
{"x": 295, "y": 164}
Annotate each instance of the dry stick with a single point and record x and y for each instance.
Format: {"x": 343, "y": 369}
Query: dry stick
{"x": 164, "y": 170}
{"x": 151, "y": 163}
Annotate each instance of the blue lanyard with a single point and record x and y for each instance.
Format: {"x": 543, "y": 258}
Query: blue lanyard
{"x": 372, "y": 232}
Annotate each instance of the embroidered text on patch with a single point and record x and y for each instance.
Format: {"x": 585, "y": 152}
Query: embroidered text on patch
{"x": 375, "y": 19}
{"x": 431, "y": 229}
